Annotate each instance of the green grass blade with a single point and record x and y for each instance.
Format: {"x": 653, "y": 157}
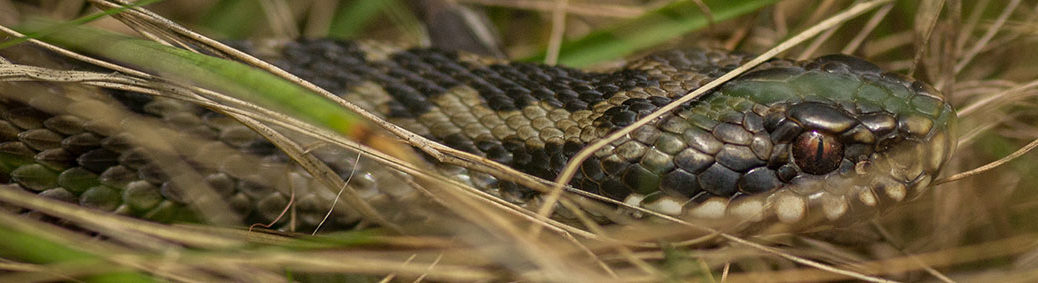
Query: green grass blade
{"x": 229, "y": 77}
{"x": 648, "y": 30}
{"x": 76, "y": 22}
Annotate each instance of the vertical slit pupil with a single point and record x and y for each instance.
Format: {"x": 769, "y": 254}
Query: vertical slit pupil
{"x": 821, "y": 149}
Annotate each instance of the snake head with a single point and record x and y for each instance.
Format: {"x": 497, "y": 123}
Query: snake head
{"x": 830, "y": 140}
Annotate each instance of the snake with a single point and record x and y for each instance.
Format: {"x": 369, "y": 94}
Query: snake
{"x": 832, "y": 139}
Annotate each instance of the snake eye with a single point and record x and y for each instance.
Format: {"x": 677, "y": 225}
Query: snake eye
{"x": 817, "y": 153}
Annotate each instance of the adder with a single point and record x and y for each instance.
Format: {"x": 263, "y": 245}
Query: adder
{"x": 829, "y": 140}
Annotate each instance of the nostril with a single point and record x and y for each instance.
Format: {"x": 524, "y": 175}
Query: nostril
{"x": 863, "y": 167}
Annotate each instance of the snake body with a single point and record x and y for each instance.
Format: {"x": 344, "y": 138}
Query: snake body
{"x": 834, "y": 135}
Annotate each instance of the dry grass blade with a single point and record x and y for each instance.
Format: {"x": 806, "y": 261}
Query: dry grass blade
{"x": 900, "y": 247}
{"x": 558, "y": 30}
{"x": 106, "y": 222}
{"x": 1002, "y": 97}
{"x": 587, "y": 9}
{"x": 321, "y": 171}
{"x": 994, "y": 164}
{"x": 358, "y": 264}
{"x": 342, "y": 189}
{"x": 975, "y": 15}
{"x": 813, "y": 47}
{"x": 281, "y": 20}
{"x": 867, "y": 29}
{"x": 942, "y": 258}
{"x": 988, "y": 35}
{"x": 76, "y": 56}
{"x": 928, "y": 14}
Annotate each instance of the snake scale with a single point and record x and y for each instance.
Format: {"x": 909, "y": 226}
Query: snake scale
{"x": 832, "y": 139}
